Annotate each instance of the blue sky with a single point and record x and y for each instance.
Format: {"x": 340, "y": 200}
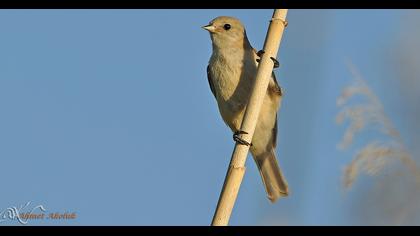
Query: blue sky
{"x": 108, "y": 113}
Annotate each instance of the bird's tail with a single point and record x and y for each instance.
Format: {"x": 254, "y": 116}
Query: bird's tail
{"x": 274, "y": 182}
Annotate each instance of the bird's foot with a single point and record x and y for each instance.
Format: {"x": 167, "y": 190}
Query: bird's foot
{"x": 239, "y": 139}
{"x": 260, "y": 53}
{"x": 276, "y": 62}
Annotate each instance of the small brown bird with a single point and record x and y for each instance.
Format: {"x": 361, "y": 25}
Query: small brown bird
{"x": 231, "y": 71}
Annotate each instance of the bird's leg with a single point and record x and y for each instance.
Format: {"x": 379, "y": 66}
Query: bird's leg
{"x": 239, "y": 139}
{"x": 276, "y": 63}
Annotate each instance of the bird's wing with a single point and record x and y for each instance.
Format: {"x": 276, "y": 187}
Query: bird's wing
{"x": 274, "y": 89}
{"x": 210, "y": 81}
{"x": 273, "y": 86}
{"x": 275, "y": 128}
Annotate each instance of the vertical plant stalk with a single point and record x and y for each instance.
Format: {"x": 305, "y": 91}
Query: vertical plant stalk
{"x": 236, "y": 168}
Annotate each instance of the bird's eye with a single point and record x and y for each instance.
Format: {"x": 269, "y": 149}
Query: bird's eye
{"x": 226, "y": 27}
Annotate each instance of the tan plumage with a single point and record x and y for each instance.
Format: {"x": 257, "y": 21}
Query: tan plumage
{"x": 230, "y": 72}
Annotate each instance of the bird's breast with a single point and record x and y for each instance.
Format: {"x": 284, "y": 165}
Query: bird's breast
{"x": 232, "y": 82}
{"x": 231, "y": 77}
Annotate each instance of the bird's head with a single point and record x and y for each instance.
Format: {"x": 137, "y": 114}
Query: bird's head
{"x": 226, "y": 31}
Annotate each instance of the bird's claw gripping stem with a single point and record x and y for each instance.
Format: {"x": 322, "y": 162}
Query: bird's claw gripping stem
{"x": 276, "y": 62}
{"x": 239, "y": 139}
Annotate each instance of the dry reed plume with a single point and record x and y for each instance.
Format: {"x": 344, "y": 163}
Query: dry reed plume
{"x": 385, "y": 152}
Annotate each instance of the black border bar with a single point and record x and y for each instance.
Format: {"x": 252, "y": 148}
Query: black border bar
{"x": 213, "y": 4}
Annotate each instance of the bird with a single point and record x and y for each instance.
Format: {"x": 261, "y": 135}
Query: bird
{"x": 230, "y": 72}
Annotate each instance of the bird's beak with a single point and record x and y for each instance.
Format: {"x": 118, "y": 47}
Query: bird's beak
{"x": 209, "y": 28}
